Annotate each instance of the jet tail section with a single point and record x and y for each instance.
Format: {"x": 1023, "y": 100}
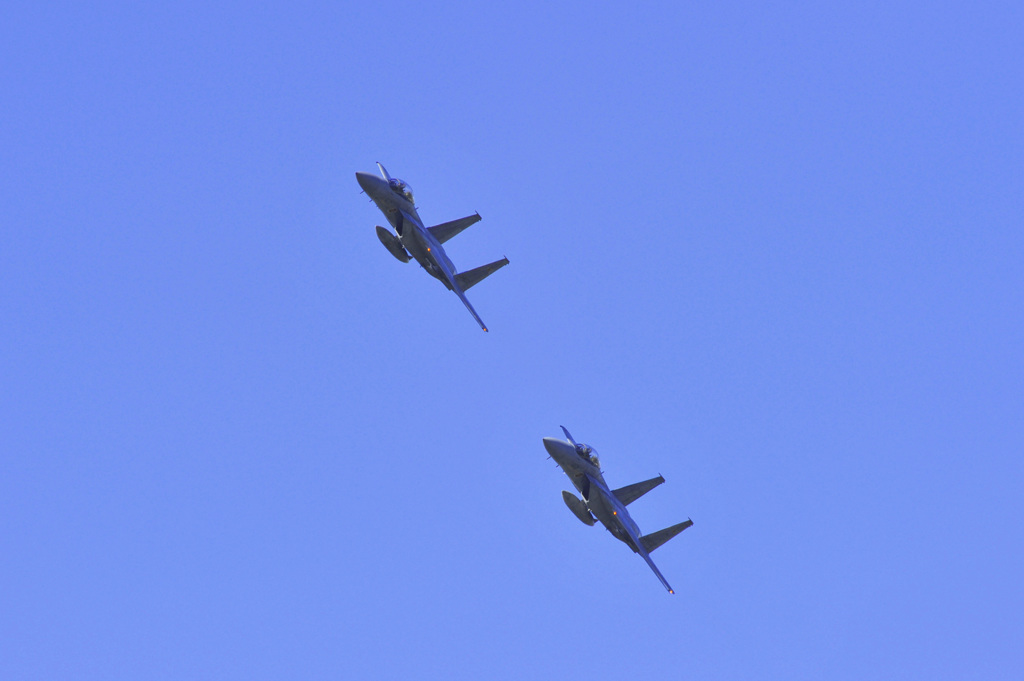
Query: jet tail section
{"x": 654, "y": 567}
{"x": 470, "y": 278}
{"x": 465, "y": 301}
{"x": 630, "y": 493}
{"x": 656, "y": 539}
{"x": 447, "y": 230}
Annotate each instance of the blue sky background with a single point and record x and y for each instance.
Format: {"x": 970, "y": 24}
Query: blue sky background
{"x": 773, "y": 253}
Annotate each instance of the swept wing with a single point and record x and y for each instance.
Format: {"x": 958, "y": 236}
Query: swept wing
{"x": 447, "y": 230}
{"x": 470, "y": 278}
{"x": 630, "y": 493}
{"x": 655, "y": 539}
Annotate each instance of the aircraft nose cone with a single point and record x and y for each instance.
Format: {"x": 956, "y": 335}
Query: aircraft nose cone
{"x": 367, "y": 181}
{"x": 558, "y": 449}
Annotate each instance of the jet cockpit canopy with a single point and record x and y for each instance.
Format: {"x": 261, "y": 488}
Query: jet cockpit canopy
{"x": 401, "y": 188}
{"x": 588, "y": 453}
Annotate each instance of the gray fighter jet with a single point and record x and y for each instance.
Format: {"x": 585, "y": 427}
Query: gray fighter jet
{"x": 394, "y": 198}
{"x": 580, "y": 463}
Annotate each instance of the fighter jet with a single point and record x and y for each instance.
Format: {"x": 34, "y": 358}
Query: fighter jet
{"x": 581, "y": 464}
{"x": 394, "y": 198}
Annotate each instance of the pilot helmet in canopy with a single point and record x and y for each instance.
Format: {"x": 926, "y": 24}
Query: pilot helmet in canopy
{"x": 401, "y": 188}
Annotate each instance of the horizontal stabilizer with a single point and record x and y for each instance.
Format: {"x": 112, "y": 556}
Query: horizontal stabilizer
{"x": 630, "y": 493}
{"x": 656, "y": 539}
{"x": 447, "y": 230}
{"x": 467, "y": 280}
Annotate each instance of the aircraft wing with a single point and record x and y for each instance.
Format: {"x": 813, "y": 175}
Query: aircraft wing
{"x": 471, "y": 278}
{"x": 641, "y": 547}
{"x": 630, "y": 493}
{"x": 656, "y": 539}
{"x": 447, "y": 230}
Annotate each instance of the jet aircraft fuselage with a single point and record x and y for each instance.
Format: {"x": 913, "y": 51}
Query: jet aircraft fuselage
{"x": 581, "y": 464}
{"x": 402, "y": 214}
{"x": 589, "y": 481}
{"x": 394, "y": 198}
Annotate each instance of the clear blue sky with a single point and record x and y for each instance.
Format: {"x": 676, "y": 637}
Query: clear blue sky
{"x": 771, "y": 253}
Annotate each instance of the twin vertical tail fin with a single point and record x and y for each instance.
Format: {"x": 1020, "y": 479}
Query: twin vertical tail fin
{"x": 656, "y": 539}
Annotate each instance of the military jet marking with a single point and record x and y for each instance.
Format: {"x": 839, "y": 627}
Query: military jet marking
{"x": 394, "y": 198}
{"x": 581, "y": 464}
